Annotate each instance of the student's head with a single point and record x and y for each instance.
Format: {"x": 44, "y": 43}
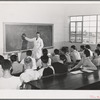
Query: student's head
{"x": 1, "y": 59}
{"x": 6, "y": 65}
{"x": 13, "y": 58}
{"x": 29, "y": 53}
{"x": 64, "y": 50}
{"x": 87, "y": 47}
{"x": 44, "y": 60}
{"x": 45, "y": 52}
{"x": 82, "y": 47}
{"x": 63, "y": 58}
{"x": 98, "y": 46}
{"x": 86, "y": 53}
{"x": 56, "y": 51}
{"x": 37, "y": 34}
{"x": 73, "y": 47}
{"x": 96, "y": 53}
{"x": 28, "y": 63}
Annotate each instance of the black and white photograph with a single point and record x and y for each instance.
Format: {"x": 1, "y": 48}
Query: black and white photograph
{"x": 50, "y": 49}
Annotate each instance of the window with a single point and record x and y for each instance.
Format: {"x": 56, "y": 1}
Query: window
{"x": 85, "y": 29}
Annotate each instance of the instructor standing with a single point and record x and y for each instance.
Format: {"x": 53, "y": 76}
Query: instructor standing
{"x": 38, "y": 45}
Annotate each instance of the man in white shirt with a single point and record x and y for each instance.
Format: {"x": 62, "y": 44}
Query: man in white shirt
{"x": 7, "y": 81}
{"x": 29, "y": 54}
{"x": 75, "y": 55}
{"x": 29, "y": 74}
{"x": 38, "y": 45}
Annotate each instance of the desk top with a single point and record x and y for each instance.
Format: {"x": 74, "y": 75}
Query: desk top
{"x": 67, "y": 81}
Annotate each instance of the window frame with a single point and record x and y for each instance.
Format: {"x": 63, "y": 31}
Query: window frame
{"x": 96, "y": 20}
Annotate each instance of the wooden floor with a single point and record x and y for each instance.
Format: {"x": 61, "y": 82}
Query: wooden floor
{"x": 69, "y": 81}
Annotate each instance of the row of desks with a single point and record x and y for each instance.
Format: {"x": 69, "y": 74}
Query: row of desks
{"x": 67, "y": 81}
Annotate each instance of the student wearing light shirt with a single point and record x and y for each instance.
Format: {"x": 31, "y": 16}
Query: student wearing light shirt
{"x": 56, "y": 57}
{"x": 96, "y": 59}
{"x": 29, "y": 54}
{"x": 75, "y": 55}
{"x": 85, "y": 62}
{"x": 7, "y": 81}
{"x": 91, "y": 53}
{"x": 44, "y": 53}
{"x": 38, "y": 45}
{"x": 29, "y": 74}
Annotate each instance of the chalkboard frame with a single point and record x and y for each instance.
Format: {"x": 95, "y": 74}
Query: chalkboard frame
{"x": 16, "y": 23}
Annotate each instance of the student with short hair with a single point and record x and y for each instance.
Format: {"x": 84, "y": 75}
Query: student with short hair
{"x": 1, "y": 62}
{"x": 82, "y": 48}
{"x": 29, "y": 54}
{"x": 56, "y": 57}
{"x": 29, "y": 74}
{"x": 7, "y": 81}
{"x": 65, "y": 51}
{"x": 17, "y": 68}
{"x": 46, "y": 70}
{"x": 44, "y": 53}
{"x": 85, "y": 62}
{"x": 96, "y": 59}
{"x": 60, "y": 67}
{"x": 75, "y": 55}
{"x": 98, "y": 47}
{"x": 89, "y": 48}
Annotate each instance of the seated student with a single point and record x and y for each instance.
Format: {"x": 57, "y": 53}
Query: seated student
{"x": 46, "y": 70}
{"x": 89, "y": 48}
{"x": 29, "y": 54}
{"x": 75, "y": 55}
{"x": 17, "y": 68}
{"x": 29, "y": 74}
{"x": 45, "y": 53}
{"x": 82, "y": 48}
{"x": 96, "y": 59}
{"x": 85, "y": 62}
{"x": 1, "y": 62}
{"x": 56, "y": 57}
{"x": 98, "y": 47}
{"x": 65, "y": 51}
{"x": 60, "y": 67}
{"x": 7, "y": 81}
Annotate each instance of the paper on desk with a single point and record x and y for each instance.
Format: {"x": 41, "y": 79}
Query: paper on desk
{"x": 76, "y": 72}
{"x": 86, "y": 70}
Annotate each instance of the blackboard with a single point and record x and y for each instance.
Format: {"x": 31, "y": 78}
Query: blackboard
{"x": 14, "y": 31}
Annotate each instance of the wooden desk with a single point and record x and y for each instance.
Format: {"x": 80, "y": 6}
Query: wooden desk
{"x": 67, "y": 81}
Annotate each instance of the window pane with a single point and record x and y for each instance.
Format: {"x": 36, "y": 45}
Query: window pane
{"x": 98, "y": 29}
{"x": 85, "y": 29}
{"x": 73, "y": 18}
{"x": 79, "y": 18}
{"x": 98, "y": 23}
{"x": 92, "y": 17}
{"x": 86, "y": 40}
{"x": 99, "y": 17}
{"x": 78, "y": 39}
{"x": 92, "y": 39}
{"x": 72, "y": 24}
{"x": 98, "y": 37}
{"x": 86, "y": 23}
{"x": 73, "y": 33}
{"x": 86, "y": 18}
{"x": 79, "y": 30}
{"x": 72, "y": 29}
{"x": 92, "y": 29}
{"x": 92, "y": 23}
{"x": 72, "y": 39}
{"x": 79, "y": 24}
